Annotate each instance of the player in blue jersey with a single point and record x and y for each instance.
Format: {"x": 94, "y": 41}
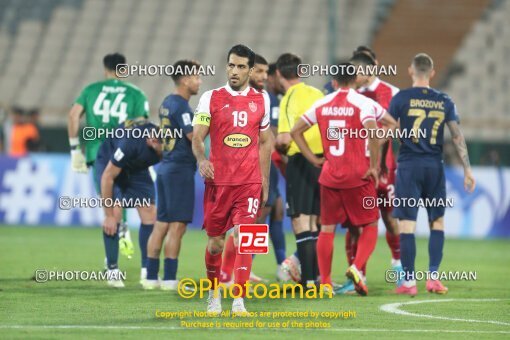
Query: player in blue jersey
{"x": 122, "y": 169}
{"x": 175, "y": 178}
{"x": 423, "y": 113}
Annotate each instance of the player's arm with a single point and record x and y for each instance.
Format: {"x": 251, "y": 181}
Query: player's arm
{"x": 78, "y": 162}
{"x": 107, "y": 179}
{"x": 200, "y": 131}
{"x": 373, "y": 148}
{"x": 297, "y": 134}
{"x": 461, "y": 147}
{"x": 201, "y": 123}
{"x": 283, "y": 138}
{"x": 265, "y": 148}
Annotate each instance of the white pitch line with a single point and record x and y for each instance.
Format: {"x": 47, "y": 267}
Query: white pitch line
{"x": 170, "y": 328}
{"x": 395, "y": 309}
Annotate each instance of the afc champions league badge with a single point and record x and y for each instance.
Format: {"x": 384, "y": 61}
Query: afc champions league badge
{"x": 252, "y": 106}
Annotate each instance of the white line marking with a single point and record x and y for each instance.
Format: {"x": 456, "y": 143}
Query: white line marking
{"x": 170, "y": 328}
{"x": 395, "y": 309}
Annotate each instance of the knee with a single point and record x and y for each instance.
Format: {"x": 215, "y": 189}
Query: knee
{"x": 215, "y": 247}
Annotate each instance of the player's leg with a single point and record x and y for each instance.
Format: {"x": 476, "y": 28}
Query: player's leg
{"x": 386, "y": 191}
{"x": 147, "y": 217}
{"x": 111, "y": 246}
{"x": 213, "y": 253}
{"x": 436, "y": 190}
{"x": 409, "y": 184}
{"x": 365, "y": 219}
{"x": 229, "y": 258}
{"x": 172, "y": 249}
{"x": 245, "y": 203}
{"x": 159, "y": 231}
{"x": 351, "y": 244}
{"x": 278, "y": 238}
{"x": 180, "y": 195}
{"x": 325, "y": 245}
{"x": 153, "y": 251}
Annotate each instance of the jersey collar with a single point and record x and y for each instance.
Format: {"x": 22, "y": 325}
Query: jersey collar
{"x": 372, "y": 86}
{"x": 236, "y": 93}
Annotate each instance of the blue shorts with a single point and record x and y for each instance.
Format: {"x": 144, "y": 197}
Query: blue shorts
{"x": 419, "y": 182}
{"x": 274, "y": 192}
{"x": 132, "y": 186}
{"x": 176, "y": 193}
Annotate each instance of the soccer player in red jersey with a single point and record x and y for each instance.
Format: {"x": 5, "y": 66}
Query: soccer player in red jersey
{"x": 350, "y": 171}
{"x": 237, "y": 172}
{"x": 381, "y": 92}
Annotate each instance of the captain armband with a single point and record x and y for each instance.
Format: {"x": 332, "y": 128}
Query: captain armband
{"x": 201, "y": 118}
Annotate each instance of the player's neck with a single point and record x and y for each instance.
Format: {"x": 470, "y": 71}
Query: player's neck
{"x": 184, "y": 93}
{"x": 421, "y": 82}
{"x": 290, "y": 82}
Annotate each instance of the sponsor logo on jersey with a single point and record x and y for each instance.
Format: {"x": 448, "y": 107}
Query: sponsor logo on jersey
{"x": 237, "y": 140}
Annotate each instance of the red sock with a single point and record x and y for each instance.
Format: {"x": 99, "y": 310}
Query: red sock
{"x": 348, "y": 247}
{"x": 394, "y": 244}
{"x": 242, "y": 271}
{"x": 212, "y": 265}
{"x": 228, "y": 260}
{"x": 366, "y": 245}
{"x": 325, "y": 255}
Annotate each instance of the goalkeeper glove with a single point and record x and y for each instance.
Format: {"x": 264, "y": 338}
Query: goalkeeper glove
{"x": 78, "y": 163}
{"x": 126, "y": 247}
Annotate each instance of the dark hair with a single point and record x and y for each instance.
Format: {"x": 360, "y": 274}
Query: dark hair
{"x": 184, "y": 68}
{"x": 345, "y": 76}
{"x": 366, "y": 50}
{"x": 243, "y": 51}
{"x": 423, "y": 63}
{"x": 271, "y": 71}
{"x": 110, "y": 61}
{"x": 362, "y": 58}
{"x": 287, "y": 64}
{"x": 260, "y": 60}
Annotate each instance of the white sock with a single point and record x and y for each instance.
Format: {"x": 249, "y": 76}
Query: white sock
{"x": 396, "y": 263}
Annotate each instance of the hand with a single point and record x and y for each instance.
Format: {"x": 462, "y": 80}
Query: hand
{"x": 110, "y": 225}
{"x": 374, "y": 173}
{"x": 78, "y": 163}
{"x": 469, "y": 181}
{"x": 206, "y": 169}
{"x": 283, "y": 141}
{"x": 318, "y": 162}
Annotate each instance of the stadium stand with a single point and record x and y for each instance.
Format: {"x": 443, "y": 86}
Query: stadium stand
{"x": 50, "y": 49}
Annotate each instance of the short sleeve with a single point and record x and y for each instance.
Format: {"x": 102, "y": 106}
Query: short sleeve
{"x": 204, "y": 104}
{"x": 202, "y": 114}
{"x": 141, "y": 106}
{"x": 368, "y": 111}
{"x": 283, "y": 119}
{"x": 310, "y": 116}
{"x": 82, "y": 98}
{"x": 122, "y": 153}
{"x": 266, "y": 119}
{"x": 393, "y": 109}
{"x": 451, "y": 112}
{"x": 184, "y": 118}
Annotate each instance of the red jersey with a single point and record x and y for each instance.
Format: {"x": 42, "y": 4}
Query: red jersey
{"x": 236, "y": 119}
{"x": 382, "y": 92}
{"x": 347, "y": 158}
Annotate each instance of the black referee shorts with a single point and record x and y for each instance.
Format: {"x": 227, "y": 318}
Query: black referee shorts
{"x": 303, "y": 192}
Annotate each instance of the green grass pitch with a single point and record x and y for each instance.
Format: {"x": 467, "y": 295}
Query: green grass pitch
{"x": 88, "y": 309}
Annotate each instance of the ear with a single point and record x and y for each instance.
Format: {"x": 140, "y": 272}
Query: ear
{"x": 335, "y": 84}
{"x": 432, "y": 73}
{"x": 410, "y": 70}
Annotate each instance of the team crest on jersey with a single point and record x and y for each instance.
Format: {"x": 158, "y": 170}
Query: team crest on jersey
{"x": 253, "y": 106}
{"x": 237, "y": 140}
{"x": 163, "y": 111}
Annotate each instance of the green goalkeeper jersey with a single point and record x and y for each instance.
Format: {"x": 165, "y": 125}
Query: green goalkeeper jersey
{"x": 106, "y": 104}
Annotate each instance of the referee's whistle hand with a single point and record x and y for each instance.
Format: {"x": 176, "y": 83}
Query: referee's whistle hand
{"x": 206, "y": 169}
